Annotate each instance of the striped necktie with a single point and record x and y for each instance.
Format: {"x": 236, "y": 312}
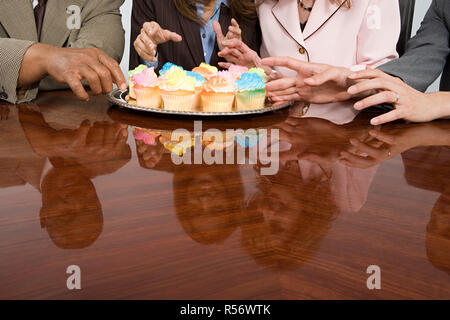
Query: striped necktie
{"x": 39, "y": 13}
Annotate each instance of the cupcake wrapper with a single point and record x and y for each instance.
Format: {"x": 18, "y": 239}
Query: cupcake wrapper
{"x": 217, "y": 102}
{"x": 148, "y": 97}
{"x": 131, "y": 91}
{"x": 178, "y": 100}
{"x": 251, "y": 100}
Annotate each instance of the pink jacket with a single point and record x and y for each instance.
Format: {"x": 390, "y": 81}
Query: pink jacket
{"x": 365, "y": 34}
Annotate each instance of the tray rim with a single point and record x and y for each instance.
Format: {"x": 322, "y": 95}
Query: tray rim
{"x": 116, "y": 97}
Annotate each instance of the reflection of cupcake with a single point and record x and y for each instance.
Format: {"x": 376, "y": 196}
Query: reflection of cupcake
{"x": 218, "y": 94}
{"x": 179, "y": 147}
{"x": 227, "y": 141}
{"x": 166, "y": 67}
{"x": 146, "y": 89}
{"x": 260, "y": 72}
{"x": 146, "y": 135}
{"x": 237, "y": 71}
{"x": 178, "y": 90}
{"x": 131, "y": 73}
{"x": 205, "y": 70}
{"x": 199, "y": 81}
{"x": 251, "y": 92}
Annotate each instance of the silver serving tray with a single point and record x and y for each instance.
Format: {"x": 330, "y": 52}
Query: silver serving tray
{"x": 117, "y": 97}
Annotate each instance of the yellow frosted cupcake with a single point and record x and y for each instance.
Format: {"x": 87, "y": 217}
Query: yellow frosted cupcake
{"x": 131, "y": 73}
{"x": 218, "y": 94}
{"x": 251, "y": 92}
{"x": 205, "y": 70}
{"x": 146, "y": 88}
{"x": 199, "y": 81}
{"x": 178, "y": 90}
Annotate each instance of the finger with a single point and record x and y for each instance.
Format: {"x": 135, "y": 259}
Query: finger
{"x": 382, "y": 136}
{"x": 286, "y": 62}
{"x": 332, "y": 74}
{"x": 231, "y": 54}
{"x": 115, "y": 71}
{"x": 372, "y": 84}
{"x": 142, "y": 51}
{"x": 150, "y": 46}
{"x": 225, "y": 65}
{"x": 122, "y": 139}
{"x": 376, "y": 99}
{"x": 234, "y": 23}
{"x": 105, "y": 77}
{"x": 371, "y": 151}
{"x": 281, "y": 84}
{"x": 352, "y": 160}
{"x": 171, "y": 36}
{"x": 285, "y": 92}
{"x": 82, "y": 132}
{"x": 387, "y": 117}
{"x": 287, "y": 98}
{"x": 92, "y": 78}
{"x": 219, "y": 34}
{"x": 77, "y": 88}
{"x": 234, "y": 33}
{"x": 368, "y": 74}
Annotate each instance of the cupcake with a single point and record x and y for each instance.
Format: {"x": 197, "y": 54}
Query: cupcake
{"x": 237, "y": 71}
{"x": 199, "y": 81}
{"x": 131, "y": 73}
{"x": 146, "y": 88}
{"x": 178, "y": 90}
{"x": 177, "y": 147}
{"x": 145, "y": 135}
{"x": 205, "y": 70}
{"x": 166, "y": 67}
{"x": 251, "y": 92}
{"x": 218, "y": 94}
{"x": 260, "y": 72}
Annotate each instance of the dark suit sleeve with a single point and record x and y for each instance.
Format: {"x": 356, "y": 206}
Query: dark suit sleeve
{"x": 143, "y": 11}
{"x": 426, "y": 54}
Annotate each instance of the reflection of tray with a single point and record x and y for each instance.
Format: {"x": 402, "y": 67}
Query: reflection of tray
{"x": 117, "y": 97}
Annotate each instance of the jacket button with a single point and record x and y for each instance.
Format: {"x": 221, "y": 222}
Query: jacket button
{"x": 302, "y": 50}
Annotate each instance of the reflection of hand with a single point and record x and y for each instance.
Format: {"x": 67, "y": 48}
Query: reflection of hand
{"x": 314, "y": 83}
{"x": 390, "y": 142}
{"x": 409, "y": 103}
{"x": 102, "y": 141}
{"x": 234, "y": 32}
{"x": 151, "y": 36}
{"x": 150, "y": 155}
{"x": 317, "y": 140}
{"x": 4, "y": 112}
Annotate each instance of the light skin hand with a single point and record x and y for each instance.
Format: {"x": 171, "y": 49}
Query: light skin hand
{"x": 410, "y": 104}
{"x": 314, "y": 83}
{"x": 234, "y": 32}
{"x": 71, "y": 66}
{"x": 150, "y": 37}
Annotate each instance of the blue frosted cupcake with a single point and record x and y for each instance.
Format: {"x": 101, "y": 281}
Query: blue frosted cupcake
{"x": 166, "y": 67}
{"x": 251, "y": 92}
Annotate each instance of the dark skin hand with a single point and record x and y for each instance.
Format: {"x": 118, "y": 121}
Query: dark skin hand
{"x": 71, "y": 66}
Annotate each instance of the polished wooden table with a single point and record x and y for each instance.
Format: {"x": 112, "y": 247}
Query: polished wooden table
{"x": 95, "y": 186}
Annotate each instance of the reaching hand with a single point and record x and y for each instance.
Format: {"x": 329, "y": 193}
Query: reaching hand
{"x": 314, "y": 83}
{"x": 151, "y": 36}
{"x": 234, "y": 32}
{"x": 237, "y": 52}
{"x": 70, "y": 66}
{"x": 409, "y": 103}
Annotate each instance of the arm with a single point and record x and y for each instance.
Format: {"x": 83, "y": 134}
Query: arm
{"x": 426, "y": 53}
{"x": 379, "y": 34}
{"x": 12, "y": 52}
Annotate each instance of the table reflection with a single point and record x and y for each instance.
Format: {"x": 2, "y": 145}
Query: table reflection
{"x": 60, "y": 164}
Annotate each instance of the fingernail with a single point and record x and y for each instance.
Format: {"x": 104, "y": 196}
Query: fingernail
{"x": 358, "y": 105}
{"x": 354, "y": 142}
{"x": 353, "y": 75}
{"x": 351, "y": 90}
{"x": 375, "y": 121}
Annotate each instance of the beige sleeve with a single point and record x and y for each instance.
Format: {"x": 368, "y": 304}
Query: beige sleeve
{"x": 12, "y": 52}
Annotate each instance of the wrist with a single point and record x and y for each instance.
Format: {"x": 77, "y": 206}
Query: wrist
{"x": 34, "y": 64}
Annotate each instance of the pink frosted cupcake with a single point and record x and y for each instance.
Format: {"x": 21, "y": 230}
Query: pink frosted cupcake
{"x": 146, "y": 88}
{"x": 237, "y": 71}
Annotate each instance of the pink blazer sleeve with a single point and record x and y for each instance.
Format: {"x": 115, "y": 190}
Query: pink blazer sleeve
{"x": 379, "y": 34}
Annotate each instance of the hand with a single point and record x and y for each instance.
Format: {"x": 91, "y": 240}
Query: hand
{"x": 234, "y": 32}
{"x": 314, "y": 83}
{"x": 237, "y": 52}
{"x": 70, "y": 66}
{"x": 151, "y": 36}
{"x": 409, "y": 103}
{"x": 149, "y": 156}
